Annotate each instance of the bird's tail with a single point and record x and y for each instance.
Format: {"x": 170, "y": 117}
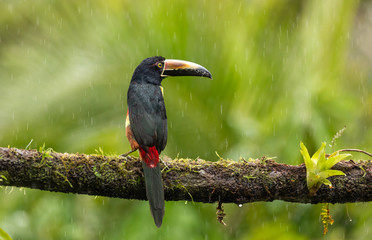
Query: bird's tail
{"x": 154, "y": 186}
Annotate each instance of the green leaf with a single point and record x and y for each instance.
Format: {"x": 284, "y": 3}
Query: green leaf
{"x": 305, "y": 154}
{"x": 319, "y": 156}
{"x": 311, "y": 179}
{"x": 334, "y": 159}
{"x": 317, "y": 153}
{"x": 318, "y": 167}
{"x": 325, "y": 182}
{"x": 330, "y": 173}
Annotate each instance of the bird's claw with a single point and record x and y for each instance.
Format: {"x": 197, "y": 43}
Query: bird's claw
{"x": 126, "y": 154}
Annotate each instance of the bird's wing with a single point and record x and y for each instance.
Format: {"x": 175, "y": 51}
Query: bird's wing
{"x": 147, "y": 116}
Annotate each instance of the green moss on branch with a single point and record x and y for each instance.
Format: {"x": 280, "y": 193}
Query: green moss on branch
{"x": 184, "y": 179}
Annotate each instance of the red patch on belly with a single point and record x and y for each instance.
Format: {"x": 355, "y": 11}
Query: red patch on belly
{"x": 151, "y": 158}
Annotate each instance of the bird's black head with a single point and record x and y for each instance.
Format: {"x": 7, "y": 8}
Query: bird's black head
{"x": 149, "y": 71}
{"x": 153, "y": 70}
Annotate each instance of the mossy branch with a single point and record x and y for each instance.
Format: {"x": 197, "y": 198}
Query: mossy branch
{"x": 184, "y": 179}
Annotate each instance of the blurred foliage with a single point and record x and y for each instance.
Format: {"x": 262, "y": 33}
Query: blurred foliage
{"x": 283, "y": 72}
{"x": 4, "y": 235}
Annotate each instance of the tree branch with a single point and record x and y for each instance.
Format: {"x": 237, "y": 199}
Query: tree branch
{"x": 184, "y": 179}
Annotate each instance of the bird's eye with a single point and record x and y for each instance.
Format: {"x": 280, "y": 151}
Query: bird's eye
{"x": 160, "y": 65}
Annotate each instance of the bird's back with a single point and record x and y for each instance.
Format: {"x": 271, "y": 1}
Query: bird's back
{"x": 147, "y": 115}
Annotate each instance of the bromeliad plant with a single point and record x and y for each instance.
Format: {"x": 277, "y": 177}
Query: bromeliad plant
{"x": 318, "y": 167}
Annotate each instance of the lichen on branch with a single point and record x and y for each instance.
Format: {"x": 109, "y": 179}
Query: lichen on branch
{"x": 198, "y": 180}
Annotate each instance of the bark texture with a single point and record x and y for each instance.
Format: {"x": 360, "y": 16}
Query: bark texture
{"x": 184, "y": 179}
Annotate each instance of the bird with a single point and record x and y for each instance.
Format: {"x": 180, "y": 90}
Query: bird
{"x": 146, "y": 120}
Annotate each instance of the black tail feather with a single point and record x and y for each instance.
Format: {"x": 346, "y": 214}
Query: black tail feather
{"x": 154, "y": 192}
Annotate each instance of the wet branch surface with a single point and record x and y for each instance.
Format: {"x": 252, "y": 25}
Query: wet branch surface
{"x": 184, "y": 179}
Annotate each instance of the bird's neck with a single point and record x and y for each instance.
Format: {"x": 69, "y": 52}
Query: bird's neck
{"x": 147, "y": 78}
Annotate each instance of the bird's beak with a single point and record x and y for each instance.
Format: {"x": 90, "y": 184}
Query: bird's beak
{"x": 174, "y": 67}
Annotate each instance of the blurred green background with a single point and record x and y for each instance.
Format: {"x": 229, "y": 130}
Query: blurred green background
{"x": 283, "y": 72}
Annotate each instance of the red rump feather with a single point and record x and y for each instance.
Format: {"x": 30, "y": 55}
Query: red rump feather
{"x": 151, "y": 158}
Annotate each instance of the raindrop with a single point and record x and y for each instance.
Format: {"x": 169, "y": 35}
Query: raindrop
{"x": 348, "y": 215}
{"x": 11, "y": 190}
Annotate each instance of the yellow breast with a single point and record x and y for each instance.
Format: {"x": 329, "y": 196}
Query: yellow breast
{"x": 127, "y": 122}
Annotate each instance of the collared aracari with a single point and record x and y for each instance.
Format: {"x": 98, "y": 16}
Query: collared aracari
{"x": 146, "y": 121}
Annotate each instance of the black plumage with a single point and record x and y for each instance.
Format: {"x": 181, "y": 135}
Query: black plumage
{"x": 146, "y": 124}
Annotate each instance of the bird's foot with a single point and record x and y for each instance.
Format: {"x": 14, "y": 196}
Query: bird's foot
{"x": 126, "y": 154}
